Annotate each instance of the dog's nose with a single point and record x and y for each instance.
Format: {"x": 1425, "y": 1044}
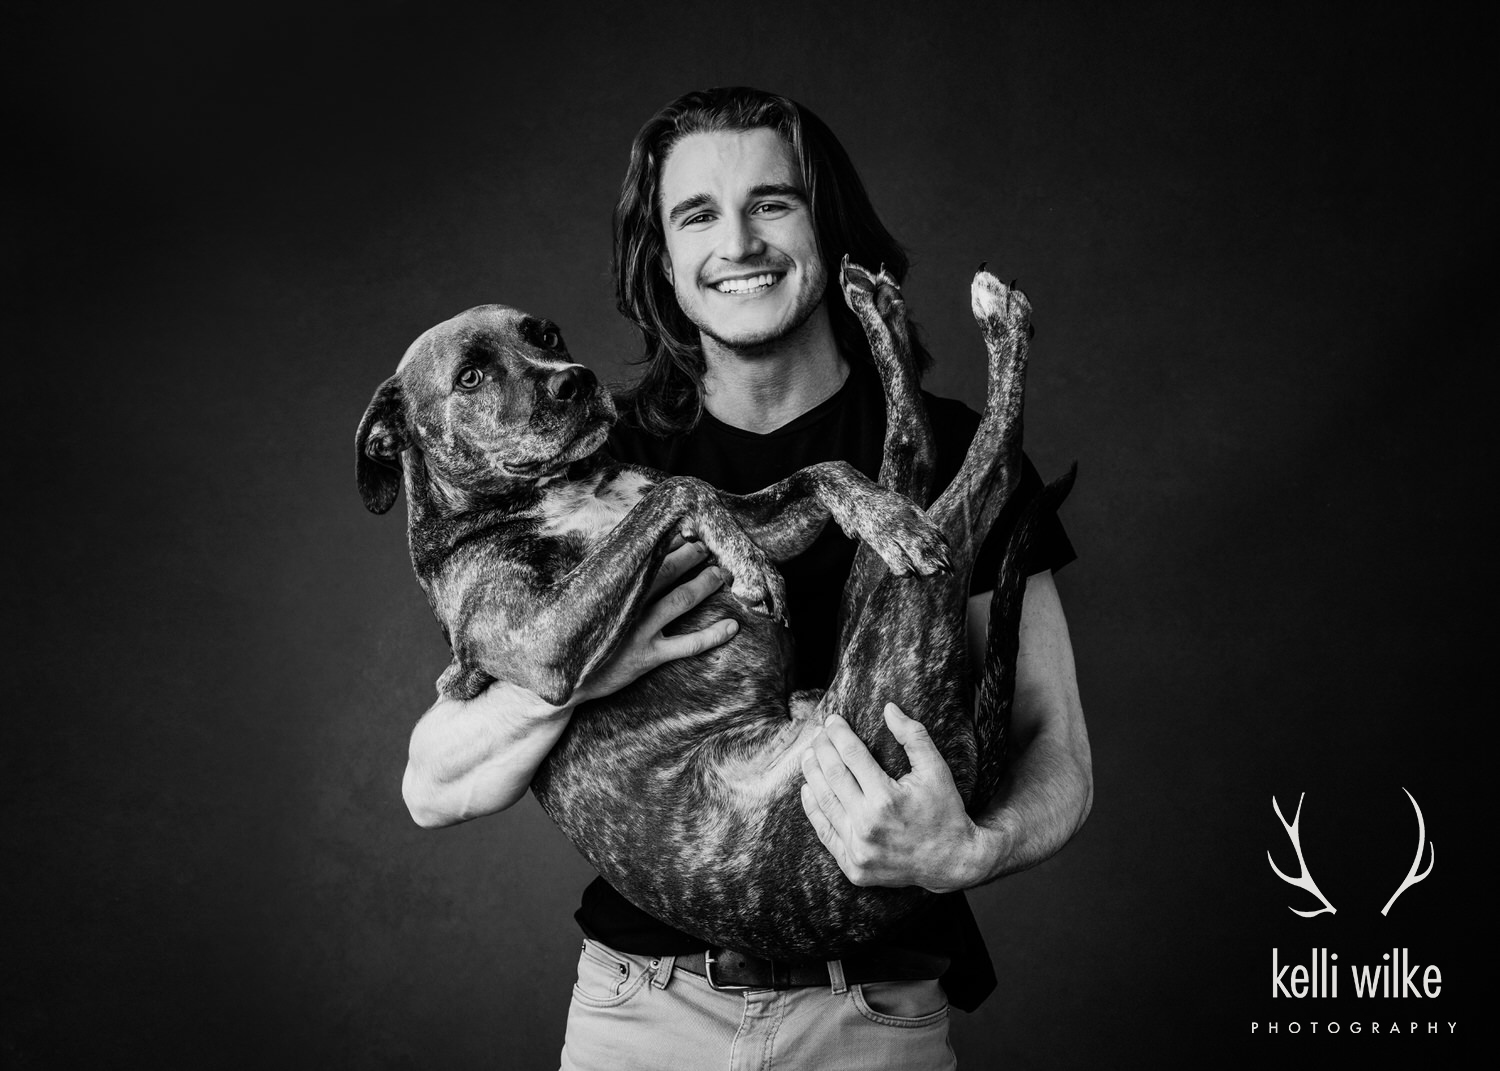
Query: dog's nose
{"x": 570, "y": 383}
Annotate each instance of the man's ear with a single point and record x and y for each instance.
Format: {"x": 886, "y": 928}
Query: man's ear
{"x": 666, "y": 265}
{"x": 381, "y": 437}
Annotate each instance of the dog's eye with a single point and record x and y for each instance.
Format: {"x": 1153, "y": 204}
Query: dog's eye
{"x": 469, "y": 378}
{"x": 551, "y": 339}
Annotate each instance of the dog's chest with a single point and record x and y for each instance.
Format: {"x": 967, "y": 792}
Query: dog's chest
{"x": 591, "y": 507}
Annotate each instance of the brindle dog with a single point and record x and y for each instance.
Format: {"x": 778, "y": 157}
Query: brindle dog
{"x": 537, "y": 551}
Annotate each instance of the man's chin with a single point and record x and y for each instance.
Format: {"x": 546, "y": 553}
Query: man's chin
{"x": 761, "y": 336}
{"x": 750, "y": 340}
{"x": 746, "y": 344}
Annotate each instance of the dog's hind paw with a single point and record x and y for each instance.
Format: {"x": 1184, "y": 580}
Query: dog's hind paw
{"x": 857, "y": 282}
{"x": 997, "y": 307}
{"x": 861, "y": 288}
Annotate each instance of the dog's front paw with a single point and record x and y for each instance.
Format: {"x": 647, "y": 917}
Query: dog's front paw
{"x": 1001, "y": 310}
{"x": 909, "y": 543}
{"x": 762, "y": 590}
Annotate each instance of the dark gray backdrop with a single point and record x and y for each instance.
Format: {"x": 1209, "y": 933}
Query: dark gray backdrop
{"x": 1253, "y": 240}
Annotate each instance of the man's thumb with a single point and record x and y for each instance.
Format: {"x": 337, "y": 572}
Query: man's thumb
{"x": 913, "y": 736}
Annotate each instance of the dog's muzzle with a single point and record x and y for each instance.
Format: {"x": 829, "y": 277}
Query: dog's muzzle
{"x": 574, "y": 383}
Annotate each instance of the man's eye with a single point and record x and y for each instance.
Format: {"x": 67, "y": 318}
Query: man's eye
{"x": 701, "y": 217}
{"x": 769, "y": 207}
{"x": 469, "y": 378}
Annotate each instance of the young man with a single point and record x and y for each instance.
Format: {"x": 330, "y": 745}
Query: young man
{"x": 736, "y": 207}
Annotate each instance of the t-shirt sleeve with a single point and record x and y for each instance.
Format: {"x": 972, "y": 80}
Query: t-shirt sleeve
{"x": 953, "y": 426}
{"x": 1050, "y": 547}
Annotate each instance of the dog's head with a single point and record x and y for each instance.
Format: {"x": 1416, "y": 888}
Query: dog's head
{"x": 491, "y": 400}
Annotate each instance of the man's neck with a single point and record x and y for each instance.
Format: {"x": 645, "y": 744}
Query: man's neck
{"x": 759, "y": 389}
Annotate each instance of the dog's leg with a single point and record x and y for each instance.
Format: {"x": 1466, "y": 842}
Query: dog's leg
{"x": 969, "y": 505}
{"x": 546, "y": 638}
{"x": 907, "y": 461}
{"x": 906, "y": 642}
{"x": 906, "y": 466}
{"x": 785, "y": 518}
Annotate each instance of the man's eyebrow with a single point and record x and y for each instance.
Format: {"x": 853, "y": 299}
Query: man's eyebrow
{"x": 688, "y": 204}
{"x": 764, "y": 189}
{"x": 778, "y": 189}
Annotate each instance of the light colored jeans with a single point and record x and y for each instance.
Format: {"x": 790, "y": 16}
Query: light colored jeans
{"x": 635, "y": 1013}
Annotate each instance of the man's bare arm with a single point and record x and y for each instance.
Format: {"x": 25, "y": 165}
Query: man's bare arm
{"x": 474, "y": 757}
{"x": 1048, "y": 788}
{"x": 915, "y": 831}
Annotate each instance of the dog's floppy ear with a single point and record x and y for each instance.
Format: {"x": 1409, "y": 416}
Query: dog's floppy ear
{"x": 381, "y": 438}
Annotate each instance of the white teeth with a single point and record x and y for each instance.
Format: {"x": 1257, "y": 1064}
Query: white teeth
{"x": 742, "y": 286}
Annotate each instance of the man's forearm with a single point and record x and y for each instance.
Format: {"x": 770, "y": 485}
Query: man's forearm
{"x": 1043, "y": 800}
{"x": 1048, "y": 787}
{"x": 477, "y": 757}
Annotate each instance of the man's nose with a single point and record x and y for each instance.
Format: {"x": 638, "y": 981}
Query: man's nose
{"x": 742, "y": 240}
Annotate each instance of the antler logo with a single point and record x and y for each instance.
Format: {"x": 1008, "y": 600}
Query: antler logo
{"x": 1412, "y": 877}
{"x": 1305, "y": 881}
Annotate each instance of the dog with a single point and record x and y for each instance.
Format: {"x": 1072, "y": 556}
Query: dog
{"x": 536, "y": 551}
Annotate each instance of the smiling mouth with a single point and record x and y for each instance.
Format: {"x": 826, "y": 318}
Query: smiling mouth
{"x": 754, "y": 284}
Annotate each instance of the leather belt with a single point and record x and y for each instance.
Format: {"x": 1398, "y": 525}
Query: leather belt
{"x": 726, "y": 969}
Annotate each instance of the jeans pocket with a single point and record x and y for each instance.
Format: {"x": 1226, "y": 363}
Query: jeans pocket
{"x": 917, "y": 1003}
{"x": 606, "y": 978}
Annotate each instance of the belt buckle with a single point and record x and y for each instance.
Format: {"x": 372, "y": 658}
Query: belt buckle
{"x": 708, "y": 971}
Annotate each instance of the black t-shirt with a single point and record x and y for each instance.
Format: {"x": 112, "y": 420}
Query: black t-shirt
{"x": 849, "y": 426}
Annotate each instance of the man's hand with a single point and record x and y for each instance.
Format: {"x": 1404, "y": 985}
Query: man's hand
{"x": 644, "y": 646}
{"x": 473, "y": 757}
{"x": 915, "y": 831}
{"x": 887, "y": 832}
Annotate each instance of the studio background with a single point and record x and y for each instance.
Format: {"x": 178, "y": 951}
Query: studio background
{"x": 1254, "y": 242}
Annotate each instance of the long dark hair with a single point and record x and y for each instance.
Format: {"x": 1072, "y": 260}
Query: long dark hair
{"x": 669, "y": 396}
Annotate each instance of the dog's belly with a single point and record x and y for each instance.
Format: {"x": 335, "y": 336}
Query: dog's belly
{"x": 683, "y": 792}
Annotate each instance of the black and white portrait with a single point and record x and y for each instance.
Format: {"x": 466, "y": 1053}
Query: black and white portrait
{"x": 1252, "y": 241}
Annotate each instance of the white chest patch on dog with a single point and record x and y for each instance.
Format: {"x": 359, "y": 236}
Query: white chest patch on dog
{"x": 591, "y": 507}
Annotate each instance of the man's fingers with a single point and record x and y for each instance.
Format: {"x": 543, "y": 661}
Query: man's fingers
{"x": 856, "y": 756}
{"x": 912, "y": 735}
{"x": 827, "y": 834}
{"x": 681, "y": 599}
{"x": 645, "y": 646}
{"x": 836, "y": 772}
{"x": 678, "y": 562}
{"x": 829, "y": 804}
{"x": 671, "y": 648}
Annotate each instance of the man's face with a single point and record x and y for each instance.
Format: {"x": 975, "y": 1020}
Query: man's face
{"x": 741, "y": 251}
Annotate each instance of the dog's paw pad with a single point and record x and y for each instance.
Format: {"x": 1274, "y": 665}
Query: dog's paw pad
{"x": 888, "y": 299}
{"x": 855, "y": 278}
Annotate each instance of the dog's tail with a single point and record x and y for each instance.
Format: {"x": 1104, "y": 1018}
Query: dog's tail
{"x": 997, "y": 683}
